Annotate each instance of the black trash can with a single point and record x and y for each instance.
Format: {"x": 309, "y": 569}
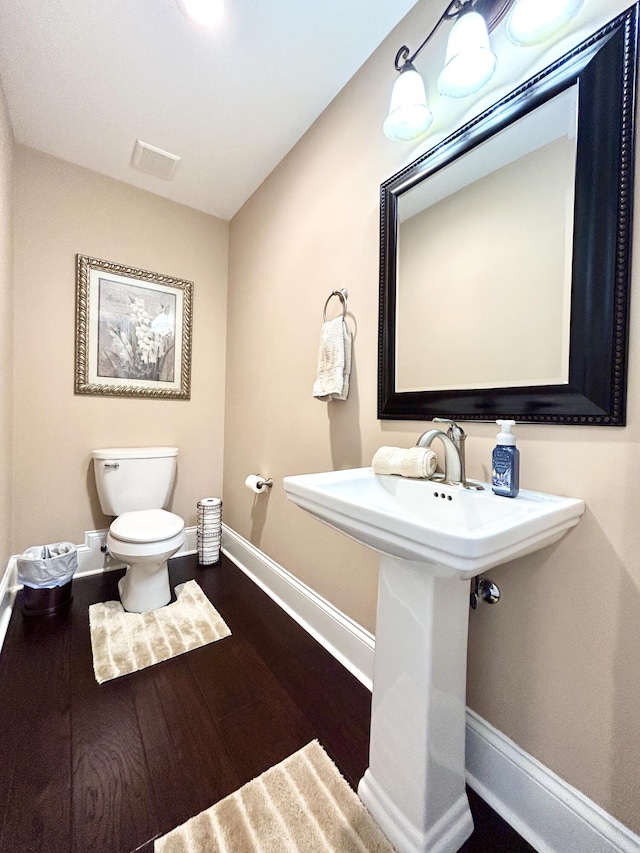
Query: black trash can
{"x": 46, "y": 573}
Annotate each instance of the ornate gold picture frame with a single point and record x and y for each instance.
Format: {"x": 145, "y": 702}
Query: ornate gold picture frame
{"x": 133, "y": 331}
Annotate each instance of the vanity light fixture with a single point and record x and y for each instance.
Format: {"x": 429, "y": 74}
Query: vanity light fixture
{"x": 207, "y": 13}
{"x": 469, "y": 61}
{"x": 534, "y": 21}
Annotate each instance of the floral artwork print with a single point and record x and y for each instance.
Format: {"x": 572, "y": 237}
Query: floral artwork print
{"x": 136, "y": 332}
{"x": 133, "y": 331}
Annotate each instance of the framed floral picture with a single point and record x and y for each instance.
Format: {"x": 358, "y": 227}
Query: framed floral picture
{"x": 133, "y": 331}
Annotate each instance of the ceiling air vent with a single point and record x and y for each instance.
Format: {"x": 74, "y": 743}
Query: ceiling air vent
{"x": 154, "y": 160}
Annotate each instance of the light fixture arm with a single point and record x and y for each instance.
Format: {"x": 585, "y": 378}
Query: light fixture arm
{"x": 454, "y": 8}
{"x": 493, "y": 11}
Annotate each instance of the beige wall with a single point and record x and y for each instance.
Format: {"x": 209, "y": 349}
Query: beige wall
{"x": 6, "y": 329}
{"x": 62, "y": 210}
{"x": 555, "y": 665}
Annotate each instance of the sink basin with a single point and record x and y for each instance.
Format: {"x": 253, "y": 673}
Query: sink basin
{"x": 457, "y": 531}
{"x": 431, "y": 537}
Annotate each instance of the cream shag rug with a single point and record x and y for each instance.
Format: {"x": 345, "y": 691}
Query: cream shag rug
{"x": 301, "y": 804}
{"x": 125, "y": 642}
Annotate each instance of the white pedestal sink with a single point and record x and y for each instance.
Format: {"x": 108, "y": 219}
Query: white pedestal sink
{"x": 431, "y": 537}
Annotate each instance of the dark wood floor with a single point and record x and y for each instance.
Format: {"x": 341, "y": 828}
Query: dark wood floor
{"x": 107, "y": 768}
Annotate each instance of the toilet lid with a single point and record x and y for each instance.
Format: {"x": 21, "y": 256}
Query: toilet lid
{"x": 147, "y": 525}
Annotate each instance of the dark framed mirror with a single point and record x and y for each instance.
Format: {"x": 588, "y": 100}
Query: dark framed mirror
{"x": 490, "y": 305}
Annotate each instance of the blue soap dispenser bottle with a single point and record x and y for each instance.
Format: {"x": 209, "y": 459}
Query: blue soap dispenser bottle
{"x": 505, "y": 477}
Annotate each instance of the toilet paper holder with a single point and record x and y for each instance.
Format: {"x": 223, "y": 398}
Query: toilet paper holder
{"x": 257, "y": 483}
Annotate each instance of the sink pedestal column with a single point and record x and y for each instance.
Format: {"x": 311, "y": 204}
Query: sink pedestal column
{"x": 415, "y": 783}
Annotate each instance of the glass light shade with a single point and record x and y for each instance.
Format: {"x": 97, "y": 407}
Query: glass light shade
{"x": 534, "y": 21}
{"x": 469, "y": 62}
{"x": 409, "y": 116}
{"x": 207, "y": 13}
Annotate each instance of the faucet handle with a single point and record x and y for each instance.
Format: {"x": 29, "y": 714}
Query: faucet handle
{"x": 455, "y": 430}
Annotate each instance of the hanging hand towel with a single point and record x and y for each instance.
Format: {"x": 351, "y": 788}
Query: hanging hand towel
{"x": 418, "y": 462}
{"x": 334, "y": 361}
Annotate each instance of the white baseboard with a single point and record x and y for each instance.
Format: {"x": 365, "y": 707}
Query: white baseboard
{"x": 553, "y": 816}
{"x": 91, "y": 559}
{"x": 347, "y": 641}
{"x": 7, "y": 597}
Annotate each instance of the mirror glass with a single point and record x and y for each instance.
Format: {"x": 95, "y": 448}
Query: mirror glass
{"x": 504, "y": 252}
{"x": 508, "y": 257}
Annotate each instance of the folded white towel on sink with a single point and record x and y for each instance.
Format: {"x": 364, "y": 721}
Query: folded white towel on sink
{"x": 417, "y": 462}
{"x": 334, "y": 361}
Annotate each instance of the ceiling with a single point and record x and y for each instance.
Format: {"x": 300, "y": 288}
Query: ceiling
{"x": 84, "y": 79}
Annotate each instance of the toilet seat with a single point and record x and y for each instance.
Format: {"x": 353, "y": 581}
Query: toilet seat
{"x": 148, "y": 525}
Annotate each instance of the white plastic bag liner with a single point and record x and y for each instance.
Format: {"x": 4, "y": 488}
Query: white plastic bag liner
{"x": 47, "y": 566}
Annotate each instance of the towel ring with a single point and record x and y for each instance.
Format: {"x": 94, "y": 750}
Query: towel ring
{"x": 342, "y": 296}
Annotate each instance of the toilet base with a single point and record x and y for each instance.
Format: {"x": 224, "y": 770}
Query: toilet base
{"x": 145, "y": 585}
{"x": 142, "y": 591}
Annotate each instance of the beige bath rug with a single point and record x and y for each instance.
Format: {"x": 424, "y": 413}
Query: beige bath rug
{"x": 302, "y": 804}
{"x": 125, "y": 642}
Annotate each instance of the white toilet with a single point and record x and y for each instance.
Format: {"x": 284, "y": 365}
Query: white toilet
{"x": 134, "y": 483}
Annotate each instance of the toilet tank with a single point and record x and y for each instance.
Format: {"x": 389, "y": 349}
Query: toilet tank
{"x": 134, "y": 478}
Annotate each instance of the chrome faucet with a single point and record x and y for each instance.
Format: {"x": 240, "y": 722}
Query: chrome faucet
{"x": 454, "y": 456}
{"x": 452, "y": 462}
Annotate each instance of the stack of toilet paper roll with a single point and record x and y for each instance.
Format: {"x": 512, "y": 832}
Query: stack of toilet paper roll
{"x": 209, "y": 530}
